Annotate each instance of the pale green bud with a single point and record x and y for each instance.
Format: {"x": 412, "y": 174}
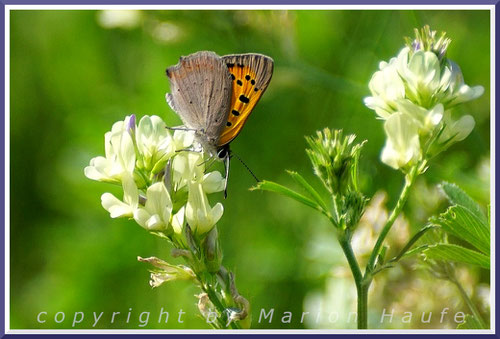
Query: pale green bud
{"x": 212, "y": 251}
{"x": 334, "y": 159}
{"x": 353, "y": 207}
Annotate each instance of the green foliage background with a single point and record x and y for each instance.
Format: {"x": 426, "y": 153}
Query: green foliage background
{"x": 71, "y": 79}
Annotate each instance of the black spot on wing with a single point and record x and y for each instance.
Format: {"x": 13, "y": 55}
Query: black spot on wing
{"x": 244, "y": 99}
{"x": 235, "y": 112}
{"x": 239, "y": 83}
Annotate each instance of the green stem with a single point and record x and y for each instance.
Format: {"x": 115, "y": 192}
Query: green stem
{"x": 207, "y": 286}
{"x": 214, "y": 298}
{"x": 367, "y": 278}
{"x": 363, "y": 306}
{"x": 409, "y": 180}
{"x": 468, "y": 301}
{"x": 358, "y": 279}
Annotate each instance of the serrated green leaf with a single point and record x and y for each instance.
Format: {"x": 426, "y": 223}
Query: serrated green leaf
{"x": 457, "y": 253}
{"x": 457, "y": 196}
{"x": 280, "y": 189}
{"x": 309, "y": 189}
{"x": 470, "y": 323}
{"x": 463, "y": 224}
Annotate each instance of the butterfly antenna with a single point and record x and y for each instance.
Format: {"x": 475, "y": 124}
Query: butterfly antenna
{"x": 248, "y": 168}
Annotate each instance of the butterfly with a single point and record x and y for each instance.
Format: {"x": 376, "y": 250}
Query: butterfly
{"x": 214, "y": 96}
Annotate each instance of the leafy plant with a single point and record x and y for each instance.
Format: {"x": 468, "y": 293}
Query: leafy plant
{"x": 414, "y": 94}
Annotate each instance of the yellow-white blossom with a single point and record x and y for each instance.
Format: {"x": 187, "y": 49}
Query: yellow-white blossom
{"x": 154, "y": 144}
{"x": 402, "y": 147}
{"x": 428, "y": 82}
{"x": 118, "y": 208}
{"x": 156, "y": 168}
{"x": 455, "y": 131}
{"x": 199, "y": 214}
{"x": 156, "y": 213}
{"x": 387, "y": 89}
{"x": 119, "y": 155}
{"x": 415, "y": 92}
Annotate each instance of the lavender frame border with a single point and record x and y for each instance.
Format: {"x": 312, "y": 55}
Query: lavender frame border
{"x": 3, "y": 3}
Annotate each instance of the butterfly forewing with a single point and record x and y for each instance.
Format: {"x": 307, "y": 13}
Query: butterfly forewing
{"x": 200, "y": 87}
{"x": 250, "y": 74}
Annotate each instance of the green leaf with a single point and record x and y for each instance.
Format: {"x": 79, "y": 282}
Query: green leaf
{"x": 414, "y": 251}
{"x": 314, "y": 194}
{"x": 277, "y": 188}
{"x": 470, "y": 323}
{"x": 406, "y": 250}
{"x": 381, "y": 256}
{"x": 457, "y": 196}
{"x": 465, "y": 225}
{"x": 457, "y": 253}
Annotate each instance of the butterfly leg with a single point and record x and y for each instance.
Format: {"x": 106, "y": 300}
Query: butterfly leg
{"x": 209, "y": 161}
{"x": 180, "y": 128}
{"x": 227, "y": 162}
{"x": 224, "y": 154}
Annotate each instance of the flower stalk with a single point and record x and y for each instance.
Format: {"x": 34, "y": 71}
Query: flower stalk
{"x": 165, "y": 191}
{"x": 409, "y": 181}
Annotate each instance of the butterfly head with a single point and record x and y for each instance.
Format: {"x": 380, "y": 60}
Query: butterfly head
{"x": 223, "y": 152}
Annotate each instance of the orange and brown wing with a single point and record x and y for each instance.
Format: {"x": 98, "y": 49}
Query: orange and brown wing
{"x": 251, "y": 74}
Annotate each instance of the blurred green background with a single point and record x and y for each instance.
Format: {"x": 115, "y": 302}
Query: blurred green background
{"x": 74, "y": 73}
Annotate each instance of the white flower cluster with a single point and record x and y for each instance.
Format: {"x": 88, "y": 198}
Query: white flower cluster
{"x": 164, "y": 185}
{"x": 414, "y": 93}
